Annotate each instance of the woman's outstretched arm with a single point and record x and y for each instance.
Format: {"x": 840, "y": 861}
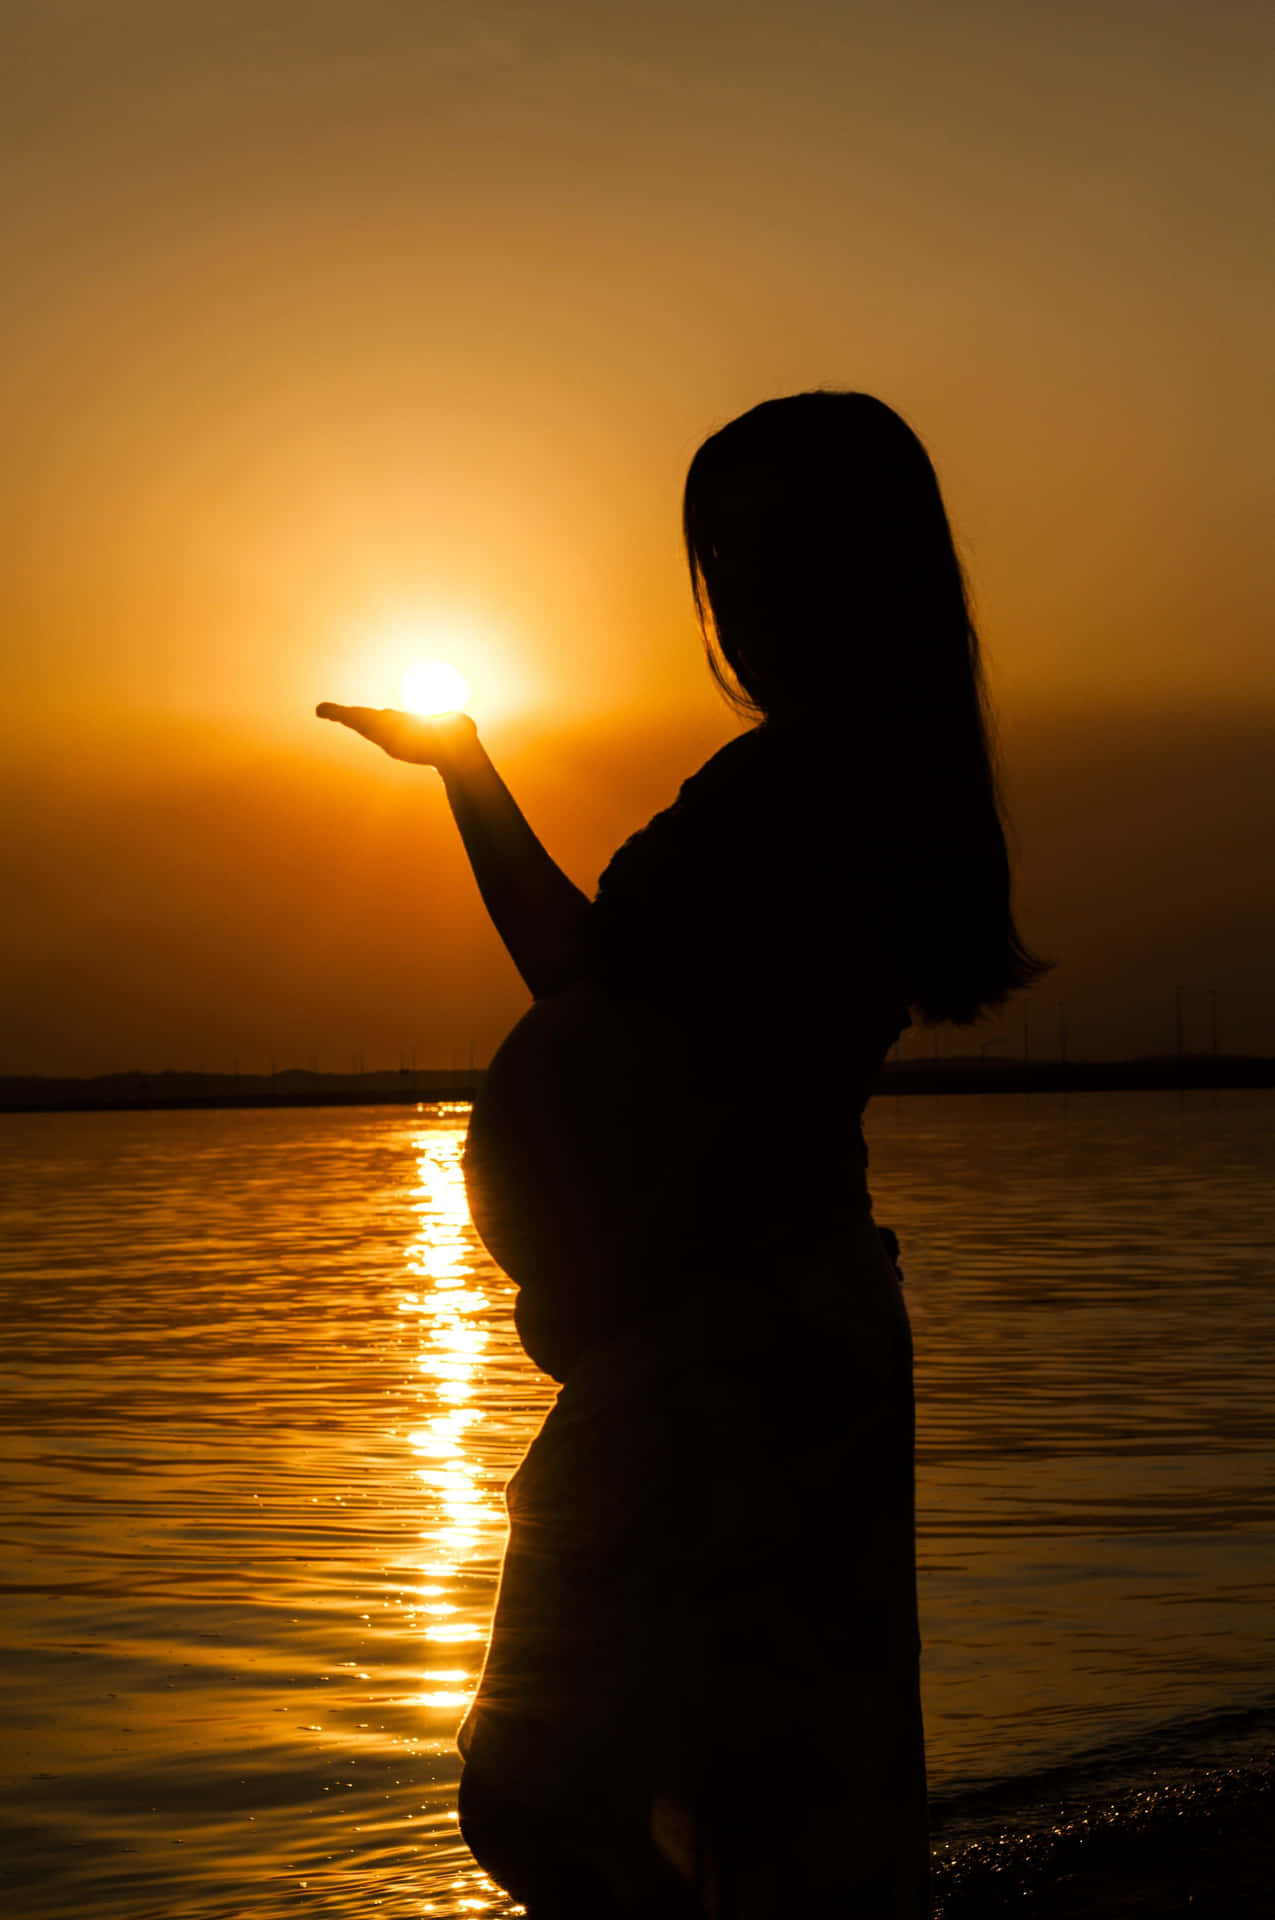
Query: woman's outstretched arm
{"x": 538, "y": 913}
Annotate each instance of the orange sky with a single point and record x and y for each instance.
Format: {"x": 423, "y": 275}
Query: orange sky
{"x": 338, "y": 333}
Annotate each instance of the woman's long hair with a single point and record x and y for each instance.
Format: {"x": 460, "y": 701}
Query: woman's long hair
{"x": 830, "y": 595}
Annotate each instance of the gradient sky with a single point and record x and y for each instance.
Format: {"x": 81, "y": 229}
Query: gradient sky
{"x": 340, "y": 334}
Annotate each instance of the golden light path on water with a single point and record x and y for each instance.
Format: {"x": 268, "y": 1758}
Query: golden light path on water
{"x": 451, "y": 1304}
{"x": 452, "y": 1348}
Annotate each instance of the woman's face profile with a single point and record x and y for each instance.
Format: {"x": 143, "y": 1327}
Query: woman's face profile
{"x": 747, "y": 552}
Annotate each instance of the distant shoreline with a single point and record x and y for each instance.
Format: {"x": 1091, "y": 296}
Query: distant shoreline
{"x": 151, "y": 1092}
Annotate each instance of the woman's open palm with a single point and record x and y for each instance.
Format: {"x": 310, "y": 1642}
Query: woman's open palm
{"x": 423, "y": 741}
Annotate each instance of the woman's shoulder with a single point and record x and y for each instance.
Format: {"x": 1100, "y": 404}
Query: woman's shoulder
{"x": 746, "y": 757}
{"x": 757, "y": 833}
{"x": 750, "y": 784}
{"x": 674, "y": 845}
{"x": 763, "y": 758}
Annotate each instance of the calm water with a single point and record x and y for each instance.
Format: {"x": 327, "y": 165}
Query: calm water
{"x": 261, "y": 1394}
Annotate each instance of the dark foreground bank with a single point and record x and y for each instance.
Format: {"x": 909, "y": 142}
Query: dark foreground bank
{"x": 1194, "y": 1839}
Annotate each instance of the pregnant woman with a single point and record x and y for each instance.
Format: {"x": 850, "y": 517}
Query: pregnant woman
{"x": 701, "y": 1696}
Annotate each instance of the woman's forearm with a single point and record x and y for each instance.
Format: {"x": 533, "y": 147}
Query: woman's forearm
{"x": 539, "y": 914}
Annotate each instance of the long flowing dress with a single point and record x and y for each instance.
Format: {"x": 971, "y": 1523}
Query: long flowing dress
{"x": 701, "y": 1695}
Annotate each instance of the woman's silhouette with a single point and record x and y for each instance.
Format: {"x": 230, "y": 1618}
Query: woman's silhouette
{"x": 701, "y": 1696}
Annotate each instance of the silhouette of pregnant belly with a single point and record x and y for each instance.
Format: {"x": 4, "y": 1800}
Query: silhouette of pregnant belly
{"x": 572, "y": 1151}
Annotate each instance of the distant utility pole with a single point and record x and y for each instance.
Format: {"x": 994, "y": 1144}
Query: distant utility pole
{"x": 1177, "y": 1014}
{"x": 1213, "y": 1016}
{"x": 1027, "y": 1044}
{"x": 1062, "y": 1031}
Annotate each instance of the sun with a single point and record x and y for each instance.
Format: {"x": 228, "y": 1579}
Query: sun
{"x": 433, "y": 686}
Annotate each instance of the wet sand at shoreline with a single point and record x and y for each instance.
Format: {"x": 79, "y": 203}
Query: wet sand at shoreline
{"x": 1192, "y": 1850}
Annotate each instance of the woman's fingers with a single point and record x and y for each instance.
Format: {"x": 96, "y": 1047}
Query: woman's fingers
{"x": 364, "y": 720}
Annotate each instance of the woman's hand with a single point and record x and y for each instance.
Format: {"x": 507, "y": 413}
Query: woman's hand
{"x": 438, "y": 740}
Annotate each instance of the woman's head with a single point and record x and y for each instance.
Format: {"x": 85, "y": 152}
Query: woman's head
{"x": 821, "y": 557}
{"x": 829, "y": 591}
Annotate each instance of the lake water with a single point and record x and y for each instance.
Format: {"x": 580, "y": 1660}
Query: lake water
{"x": 262, "y": 1393}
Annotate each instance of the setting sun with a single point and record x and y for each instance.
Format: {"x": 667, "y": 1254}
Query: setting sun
{"x": 433, "y": 686}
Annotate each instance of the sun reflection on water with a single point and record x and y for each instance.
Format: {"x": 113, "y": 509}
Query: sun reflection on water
{"x": 447, "y": 1304}
{"x": 457, "y": 1343}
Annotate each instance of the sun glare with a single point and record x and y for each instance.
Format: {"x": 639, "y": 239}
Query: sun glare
{"x": 433, "y": 686}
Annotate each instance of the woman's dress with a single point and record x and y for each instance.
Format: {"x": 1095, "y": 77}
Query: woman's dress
{"x": 701, "y": 1694}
